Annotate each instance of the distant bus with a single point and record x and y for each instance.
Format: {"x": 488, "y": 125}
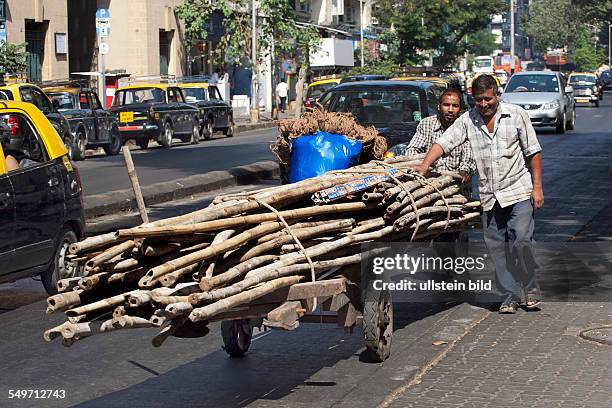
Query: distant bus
{"x": 504, "y": 62}
{"x": 483, "y": 65}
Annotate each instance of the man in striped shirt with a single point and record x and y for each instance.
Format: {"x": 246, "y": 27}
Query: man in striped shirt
{"x": 509, "y": 164}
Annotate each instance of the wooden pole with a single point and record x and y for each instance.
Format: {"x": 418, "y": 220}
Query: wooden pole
{"x": 135, "y": 184}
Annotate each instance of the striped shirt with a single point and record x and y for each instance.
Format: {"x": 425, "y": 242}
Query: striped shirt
{"x": 500, "y": 156}
{"x": 427, "y": 133}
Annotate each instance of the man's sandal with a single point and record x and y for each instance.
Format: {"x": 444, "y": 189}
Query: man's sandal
{"x": 508, "y": 307}
{"x": 532, "y": 300}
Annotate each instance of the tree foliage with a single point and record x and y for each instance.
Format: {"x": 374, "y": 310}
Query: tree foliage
{"x": 553, "y": 23}
{"x": 13, "y": 57}
{"x": 584, "y": 54}
{"x": 481, "y": 43}
{"x": 437, "y": 26}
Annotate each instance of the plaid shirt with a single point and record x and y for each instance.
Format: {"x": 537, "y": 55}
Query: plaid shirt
{"x": 500, "y": 157}
{"x": 427, "y": 133}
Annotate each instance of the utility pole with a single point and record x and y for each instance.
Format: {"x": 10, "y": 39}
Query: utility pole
{"x": 254, "y": 75}
{"x": 609, "y": 48}
{"x": 361, "y": 7}
{"x": 512, "y": 65}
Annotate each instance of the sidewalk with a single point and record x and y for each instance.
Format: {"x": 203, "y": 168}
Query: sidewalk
{"x": 531, "y": 359}
{"x": 243, "y": 121}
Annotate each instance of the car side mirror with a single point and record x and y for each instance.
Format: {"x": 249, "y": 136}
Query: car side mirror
{"x": 569, "y": 90}
{"x": 55, "y": 104}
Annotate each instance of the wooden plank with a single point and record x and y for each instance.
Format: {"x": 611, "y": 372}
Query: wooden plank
{"x": 285, "y": 316}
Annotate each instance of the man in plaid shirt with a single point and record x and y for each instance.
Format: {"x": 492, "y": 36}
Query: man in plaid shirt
{"x": 509, "y": 164}
{"x": 431, "y": 129}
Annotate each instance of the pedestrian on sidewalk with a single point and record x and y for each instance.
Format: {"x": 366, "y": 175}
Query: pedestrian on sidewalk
{"x": 281, "y": 92}
{"x": 460, "y": 160}
{"x": 509, "y": 163}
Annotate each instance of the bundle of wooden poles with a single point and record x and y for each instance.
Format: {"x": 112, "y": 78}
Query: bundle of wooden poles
{"x": 179, "y": 274}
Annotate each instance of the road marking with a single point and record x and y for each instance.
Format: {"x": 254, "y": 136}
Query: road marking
{"x": 259, "y": 336}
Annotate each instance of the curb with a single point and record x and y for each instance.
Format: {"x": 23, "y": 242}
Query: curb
{"x": 254, "y": 126}
{"x": 123, "y": 200}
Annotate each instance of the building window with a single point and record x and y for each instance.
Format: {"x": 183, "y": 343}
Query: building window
{"x": 165, "y": 39}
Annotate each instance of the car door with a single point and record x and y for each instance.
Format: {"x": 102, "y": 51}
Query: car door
{"x": 220, "y": 107}
{"x": 7, "y": 221}
{"x": 101, "y": 117}
{"x": 87, "y": 115}
{"x": 39, "y": 200}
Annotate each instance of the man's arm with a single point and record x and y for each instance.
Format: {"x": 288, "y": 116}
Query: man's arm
{"x": 452, "y": 137}
{"x": 467, "y": 164}
{"x": 432, "y": 155}
{"x": 535, "y": 166}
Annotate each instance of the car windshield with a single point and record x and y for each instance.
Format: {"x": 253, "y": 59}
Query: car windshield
{"x": 64, "y": 99}
{"x": 138, "y": 95}
{"x": 591, "y": 79}
{"x": 315, "y": 91}
{"x": 194, "y": 94}
{"x": 533, "y": 83}
{"x": 381, "y": 107}
{"x": 483, "y": 63}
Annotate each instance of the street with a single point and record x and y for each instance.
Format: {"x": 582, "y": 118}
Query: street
{"x": 101, "y": 174}
{"x": 319, "y": 365}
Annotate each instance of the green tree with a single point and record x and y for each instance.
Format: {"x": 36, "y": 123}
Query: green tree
{"x": 435, "y": 26}
{"x": 276, "y": 25}
{"x": 13, "y": 57}
{"x": 584, "y": 54}
{"x": 553, "y": 23}
{"x": 481, "y": 43}
{"x": 595, "y": 10}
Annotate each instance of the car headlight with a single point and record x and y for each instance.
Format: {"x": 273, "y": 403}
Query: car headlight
{"x": 551, "y": 105}
{"x": 588, "y": 91}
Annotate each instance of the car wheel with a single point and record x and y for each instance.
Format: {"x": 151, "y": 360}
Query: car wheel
{"x": 572, "y": 123}
{"x": 80, "y": 144}
{"x": 561, "y": 124}
{"x": 60, "y": 268}
{"x": 229, "y": 131}
{"x": 70, "y": 147}
{"x": 195, "y": 134}
{"x": 209, "y": 129}
{"x": 114, "y": 147}
{"x": 142, "y": 142}
{"x": 166, "y": 137}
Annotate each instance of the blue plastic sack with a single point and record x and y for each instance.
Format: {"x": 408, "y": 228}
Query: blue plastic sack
{"x": 316, "y": 154}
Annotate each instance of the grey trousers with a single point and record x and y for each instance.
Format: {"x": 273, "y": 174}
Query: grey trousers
{"x": 508, "y": 235}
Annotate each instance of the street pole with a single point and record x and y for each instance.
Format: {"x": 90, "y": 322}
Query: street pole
{"x": 103, "y": 77}
{"x": 512, "y": 65}
{"x": 254, "y": 77}
{"x": 609, "y": 48}
{"x": 361, "y": 29}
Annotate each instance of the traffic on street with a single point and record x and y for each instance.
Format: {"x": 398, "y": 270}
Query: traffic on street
{"x": 299, "y": 204}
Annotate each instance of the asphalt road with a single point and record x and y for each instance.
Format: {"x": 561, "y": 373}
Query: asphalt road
{"x": 315, "y": 365}
{"x": 101, "y": 174}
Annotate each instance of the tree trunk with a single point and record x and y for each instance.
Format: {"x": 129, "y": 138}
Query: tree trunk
{"x": 299, "y": 91}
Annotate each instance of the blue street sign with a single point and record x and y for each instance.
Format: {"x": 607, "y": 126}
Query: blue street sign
{"x": 102, "y": 14}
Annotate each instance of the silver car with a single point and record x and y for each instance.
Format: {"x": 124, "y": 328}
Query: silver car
{"x": 545, "y": 96}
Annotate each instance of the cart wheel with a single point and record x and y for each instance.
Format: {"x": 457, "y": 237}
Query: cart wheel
{"x": 378, "y": 325}
{"x": 237, "y": 336}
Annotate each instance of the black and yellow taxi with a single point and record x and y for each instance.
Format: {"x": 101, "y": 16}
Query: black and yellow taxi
{"x": 155, "y": 111}
{"x": 91, "y": 125}
{"x": 25, "y": 92}
{"x": 215, "y": 114}
{"x": 41, "y": 209}
{"x": 317, "y": 88}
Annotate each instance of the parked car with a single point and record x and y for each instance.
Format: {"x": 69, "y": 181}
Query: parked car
{"x": 606, "y": 79}
{"x": 394, "y": 108}
{"x": 30, "y": 93}
{"x": 546, "y": 96}
{"x": 155, "y": 111}
{"x": 318, "y": 88}
{"x": 586, "y": 87}
{"x": 442, "y": 83}
{"x": 41, "y": 209}
{"x": 213, "y": 112}
{"x": 90, "y": 124}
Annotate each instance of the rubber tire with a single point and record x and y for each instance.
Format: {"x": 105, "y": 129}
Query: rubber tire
{"x": 195, "y": 134}
{"x": 237, "y": 335}
{"x": 54, "y": 273}
{"x": 377, "y": 325}
{"x": 69, "y": 146}
{"x": 165, "y": 139}
{"x": 572, "y": 123}
{"x": 229, "y": 131}
{"x": 114, "y": 147}
{"x": 80, "y": 146}
{"x": 560, "y": 127}
{"x": 143, "y": 142}
{"x": 208, "y": 130}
